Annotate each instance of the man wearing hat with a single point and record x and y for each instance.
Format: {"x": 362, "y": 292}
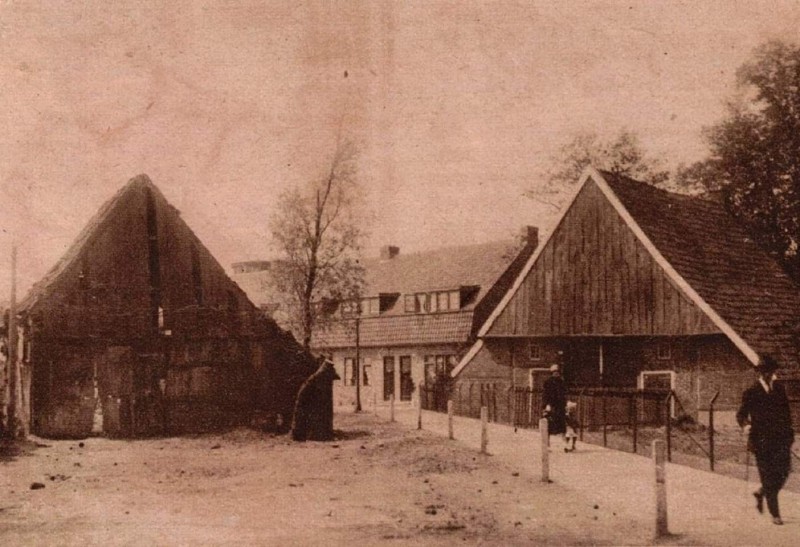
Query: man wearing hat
{"x": 554, "y": 402}
{"x": 766, "y": 409}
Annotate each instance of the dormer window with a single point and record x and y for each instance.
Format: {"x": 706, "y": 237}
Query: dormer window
{"x": 370, "y": 306}
{"x": 423, "y": 302}
{"x": 365, "y": 306}
{"x": 443, "y": 299}
{"x": 432, "y": 302}
{"x": 349, "y": 308}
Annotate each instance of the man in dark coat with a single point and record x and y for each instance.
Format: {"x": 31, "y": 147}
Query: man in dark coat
{"x": 766, "y": 409}
{"x": 554, "y": 402}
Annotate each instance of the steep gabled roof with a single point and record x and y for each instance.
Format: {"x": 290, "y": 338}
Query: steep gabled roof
{"x": 721, "y": 261}
{"x": 710, "y": 257}
{"x": 40, "y": 289}
{"x": 43, "y": 288}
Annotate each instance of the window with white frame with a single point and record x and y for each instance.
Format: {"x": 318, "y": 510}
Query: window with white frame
{"x": 371, "y": 306}
{"x": 534, "y": 351}
{"x": 664, "y": 351}
{"x": 432, "y": 302}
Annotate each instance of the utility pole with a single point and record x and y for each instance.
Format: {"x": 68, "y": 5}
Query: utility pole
{"x": 13, "y": 364}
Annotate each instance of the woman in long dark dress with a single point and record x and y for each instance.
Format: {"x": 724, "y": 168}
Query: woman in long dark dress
{"x": 554, "y": 402}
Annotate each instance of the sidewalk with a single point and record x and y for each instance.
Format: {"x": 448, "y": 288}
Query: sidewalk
{"x": 704, "y": 508}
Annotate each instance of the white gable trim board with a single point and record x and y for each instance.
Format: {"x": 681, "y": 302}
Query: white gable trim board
{"x": 673, "y": 275}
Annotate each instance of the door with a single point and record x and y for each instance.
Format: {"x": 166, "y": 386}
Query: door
{"x": 388, "y": 377}
{"x": 406, "y": 382}
{"x": 148, "y": 409}
{"x": 113, "y": 386}
{"x": 581, "y": 363}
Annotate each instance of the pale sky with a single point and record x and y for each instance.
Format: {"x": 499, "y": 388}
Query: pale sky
{"x": 457, "y": 106}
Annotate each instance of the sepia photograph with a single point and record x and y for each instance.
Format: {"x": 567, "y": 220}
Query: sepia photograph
{"x": 399, "y": 272}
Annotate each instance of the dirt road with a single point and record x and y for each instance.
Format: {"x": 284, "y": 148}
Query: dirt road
{"x": 378, "y": 483}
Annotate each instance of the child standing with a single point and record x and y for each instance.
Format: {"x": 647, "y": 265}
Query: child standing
{"x": 572, "y": 426}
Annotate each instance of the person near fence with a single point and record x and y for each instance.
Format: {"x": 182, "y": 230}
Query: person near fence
{"x": 571, "y": 432}
{"x": 765, "y": 409}
{"x": 554, "y": 402}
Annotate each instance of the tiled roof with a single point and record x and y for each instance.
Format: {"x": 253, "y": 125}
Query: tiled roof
{"x": 481, "y": 265}
{"x": 398, "y": 330}
{"x": 722, "y": 263}
{"x": 446, "y": 268}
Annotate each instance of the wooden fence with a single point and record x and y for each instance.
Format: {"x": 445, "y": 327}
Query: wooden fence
{"x": 522, "y": 406}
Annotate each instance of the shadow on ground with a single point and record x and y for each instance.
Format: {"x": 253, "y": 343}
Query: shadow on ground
{"x": 10, "y": 450}
{"x": 350, "y": 434}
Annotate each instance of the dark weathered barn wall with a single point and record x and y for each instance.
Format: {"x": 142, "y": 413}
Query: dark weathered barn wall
{"x": 702, "y": 365}
{"x": 594, "y": 277}
{"x": 142, "y": 319}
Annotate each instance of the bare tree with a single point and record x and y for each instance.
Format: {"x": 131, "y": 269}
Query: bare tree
{"x": 319, "y": 233}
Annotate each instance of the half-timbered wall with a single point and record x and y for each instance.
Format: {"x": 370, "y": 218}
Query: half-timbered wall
{"x": 594, "y": 277}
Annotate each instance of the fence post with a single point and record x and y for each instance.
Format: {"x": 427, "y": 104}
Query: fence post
{"x": 419, "y": 406}
{"x": 544, "y": 433}
{"x": 375, "y": 402}
{"x": 711, "y": 430}
{"x": 391, "y": 407}
{"x": 484, "y": 429}
{"x": 450, "y": 419}
{"x": 494, "y": 403}
{"x": 530, "y": 408}
{"x": 512, "y": 407}
{"x": 635, "y": 418}
{"x": 605, "y": 434}
{"x": 581, "y": 412}
{"x": 668, "y": 415}
{"x": 660, "y": 489}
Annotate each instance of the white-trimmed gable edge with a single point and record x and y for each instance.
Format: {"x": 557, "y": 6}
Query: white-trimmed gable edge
{"x": 672, "y": 274}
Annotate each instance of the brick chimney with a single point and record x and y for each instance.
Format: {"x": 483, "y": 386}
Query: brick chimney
{"x": 529, "y": 235}
{"x": 389, "y": 251}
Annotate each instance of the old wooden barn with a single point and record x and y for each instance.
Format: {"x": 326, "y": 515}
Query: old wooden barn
{"x": 639, "y": 287}
{"x": 139, "y": 331}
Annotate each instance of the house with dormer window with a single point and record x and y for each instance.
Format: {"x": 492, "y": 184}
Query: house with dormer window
{"x": 418, "y": 315}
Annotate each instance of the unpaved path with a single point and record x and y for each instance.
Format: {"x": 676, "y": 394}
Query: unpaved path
{"x": 378, "y": 483}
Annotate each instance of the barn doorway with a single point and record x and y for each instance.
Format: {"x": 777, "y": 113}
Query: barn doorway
{"x": 113, "y": 373}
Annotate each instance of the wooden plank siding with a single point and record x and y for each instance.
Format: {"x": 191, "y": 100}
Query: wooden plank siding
{"x": 594, "y": 277}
